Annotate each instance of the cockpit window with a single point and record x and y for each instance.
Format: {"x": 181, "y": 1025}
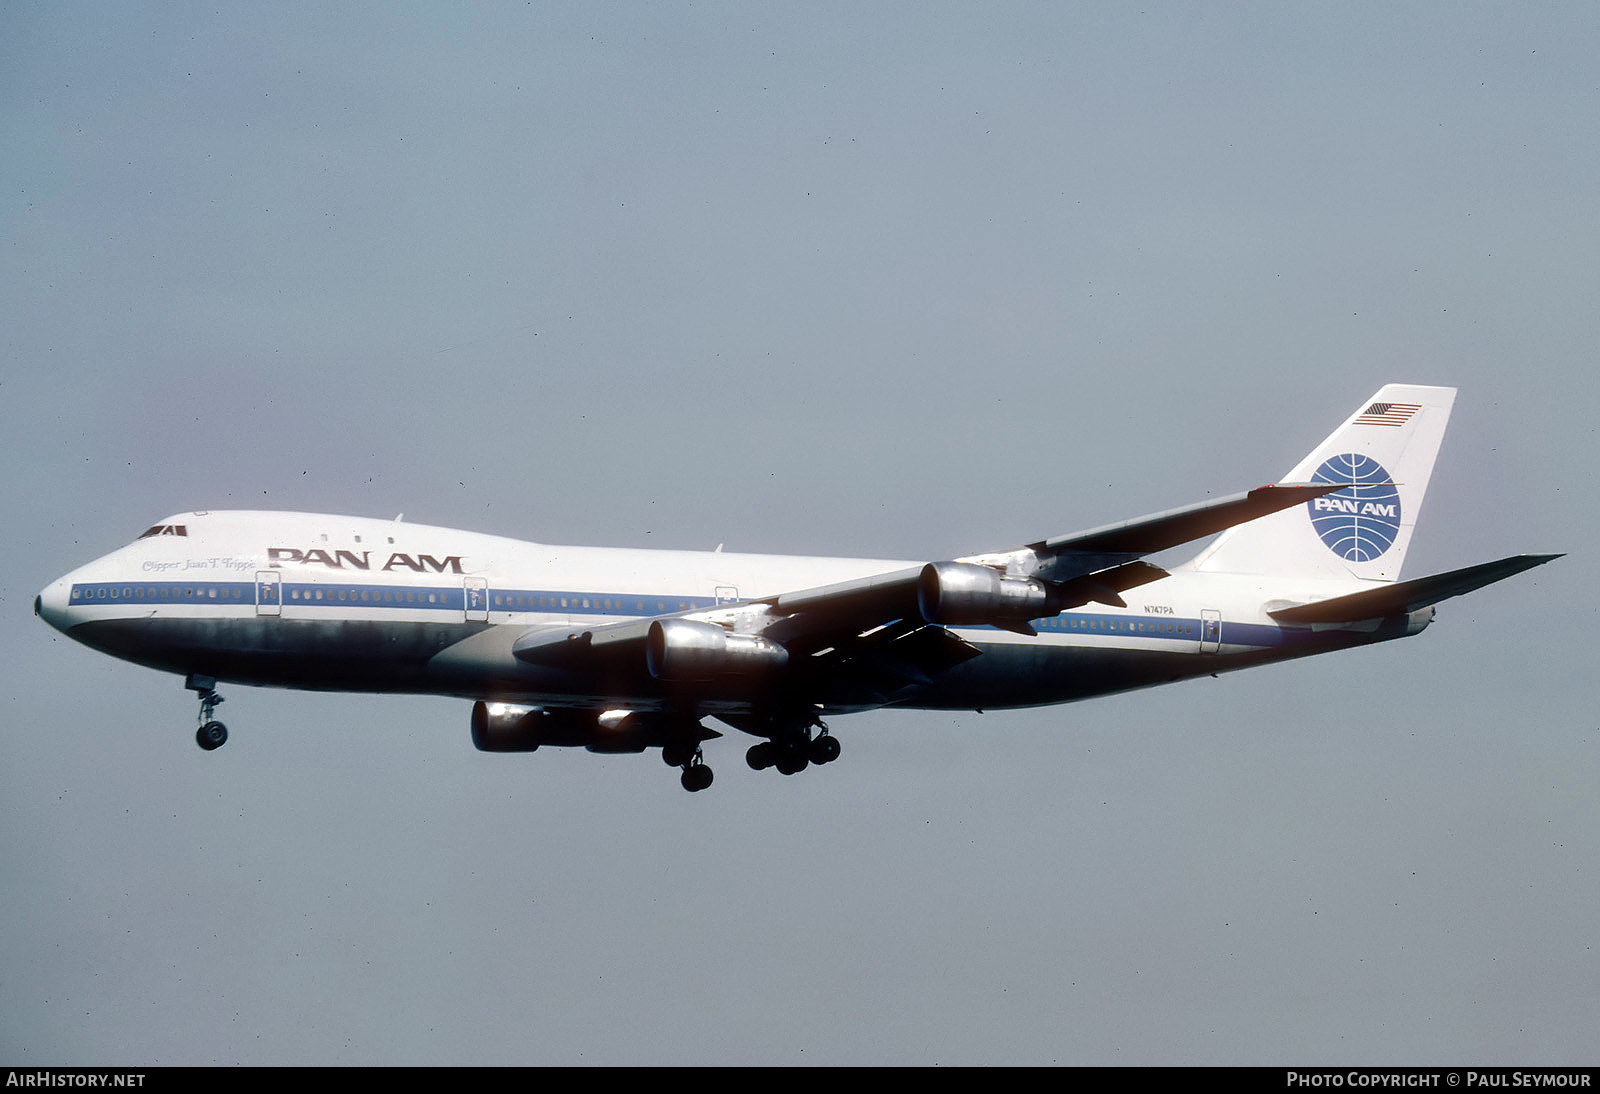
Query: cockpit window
{"x": 165, "y": 530}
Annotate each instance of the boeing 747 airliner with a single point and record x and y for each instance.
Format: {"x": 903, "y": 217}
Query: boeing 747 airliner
{"x": 622, "y": 650}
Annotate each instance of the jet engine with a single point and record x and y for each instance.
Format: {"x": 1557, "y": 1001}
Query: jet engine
{"x": 506, "y": 727}
{"x": 962, "y": 594}
{"x": 687, "y": 649}
{"x": 510, "y": 727}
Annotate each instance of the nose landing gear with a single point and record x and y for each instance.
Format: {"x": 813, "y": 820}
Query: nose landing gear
{"x": 212, "y": 734}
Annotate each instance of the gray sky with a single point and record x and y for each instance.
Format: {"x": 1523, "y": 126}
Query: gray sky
{"x": 885, "y": 280}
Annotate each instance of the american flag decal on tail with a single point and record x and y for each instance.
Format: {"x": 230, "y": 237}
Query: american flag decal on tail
{"x": 1387, "y": 414}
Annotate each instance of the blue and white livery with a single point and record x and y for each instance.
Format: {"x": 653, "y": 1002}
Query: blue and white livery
{"x": 622, "y": 650}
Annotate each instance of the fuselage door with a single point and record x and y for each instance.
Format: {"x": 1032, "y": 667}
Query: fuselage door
{"x": 727, "y": 594}
{"x": 1210, "y": 631}
{"x": 269, "y": 592}
{"x": 477, "y": 599}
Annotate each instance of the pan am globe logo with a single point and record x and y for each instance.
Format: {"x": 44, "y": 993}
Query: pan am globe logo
{"x": 1360, "y": 522}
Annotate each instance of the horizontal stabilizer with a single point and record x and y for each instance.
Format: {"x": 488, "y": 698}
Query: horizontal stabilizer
{"x": 1404, "y": 597}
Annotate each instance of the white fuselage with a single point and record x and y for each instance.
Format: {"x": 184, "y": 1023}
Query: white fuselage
{"x": 354, "y": 604}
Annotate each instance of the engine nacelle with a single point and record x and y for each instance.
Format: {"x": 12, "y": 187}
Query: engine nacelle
{"x": 962, "y": 594}
{"x": 687, "y": 649}
{"x": 506, "y": 727}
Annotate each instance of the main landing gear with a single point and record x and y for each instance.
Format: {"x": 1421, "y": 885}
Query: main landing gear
{"x": 689, "y": 756}
{"x": 792, "y": 751}
{"x": 212, "y": 734}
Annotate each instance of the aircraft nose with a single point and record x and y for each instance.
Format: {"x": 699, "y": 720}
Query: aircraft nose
{"x": 51, "y": 604}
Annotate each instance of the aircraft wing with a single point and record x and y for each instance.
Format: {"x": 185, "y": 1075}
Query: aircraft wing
{"x": 884, "y": 611}
{"x": 1075, "y": 569}
{"x": 570, "y": 647}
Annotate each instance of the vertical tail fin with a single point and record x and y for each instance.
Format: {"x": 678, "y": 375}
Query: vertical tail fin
{"x": 1385, "y": 451}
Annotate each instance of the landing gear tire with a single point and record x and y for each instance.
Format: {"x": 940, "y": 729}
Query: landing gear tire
{"x": 760, "y": 756}
{"x": 211, "y": 736}
{"x": 792, "y": 758}
{"x": 791, "y": 748}
{"x": 696, "y": 777}
{"x": 824, "y": 749}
